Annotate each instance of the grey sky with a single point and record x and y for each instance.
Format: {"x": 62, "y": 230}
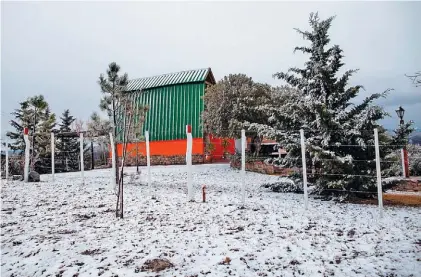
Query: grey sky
{"x": 58, "y": 49}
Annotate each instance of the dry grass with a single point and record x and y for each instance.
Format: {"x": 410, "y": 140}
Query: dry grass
{"x": 391, "y": 199}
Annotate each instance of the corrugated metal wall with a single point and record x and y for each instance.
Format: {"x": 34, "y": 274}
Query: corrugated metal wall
{"x": 171, "y": 108}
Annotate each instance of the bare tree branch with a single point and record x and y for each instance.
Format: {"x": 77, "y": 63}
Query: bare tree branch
{"x": 416, "y": 78}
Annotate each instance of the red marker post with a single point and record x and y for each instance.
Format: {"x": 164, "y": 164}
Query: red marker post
{"x": 406, "y": 162}
{"x": 204, "y": 193}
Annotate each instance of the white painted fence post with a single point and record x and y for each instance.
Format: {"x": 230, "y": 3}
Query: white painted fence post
{"x": 303, "y": 158}
{"x": 27, "y": 147}
{"x": 52, "y": 155}
{"x": 148, "y": 161}
{"x": 379, "y": 174}
{"x": 113, "y": 164}
{"x": 189, "y": 163}
{"x": 243, "y": 165}
{"x": 403, "y": 163}
{"x": 6, "y": 149}
{"x": 82, "y": 166}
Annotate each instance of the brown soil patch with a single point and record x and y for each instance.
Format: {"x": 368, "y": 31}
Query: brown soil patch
{"x": 156, "y": 265}
{"x": 390, "y": 199}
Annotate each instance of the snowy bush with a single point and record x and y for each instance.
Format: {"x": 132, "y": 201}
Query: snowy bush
{"x": 416, "y": 167}
{"x": 414, "y": 155}
{"x": 391, "y": 182}
{"x": 394, "y": 164}
{"x": 285, "y": 185}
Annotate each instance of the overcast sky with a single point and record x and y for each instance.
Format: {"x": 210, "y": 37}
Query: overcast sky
{"x": 58, "y": 49}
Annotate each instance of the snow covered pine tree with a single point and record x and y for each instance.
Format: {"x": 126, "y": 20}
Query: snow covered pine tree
{"x": 330, "y": 120}
{"x": 34, "y": 114}
{"x": 67, "y": 147}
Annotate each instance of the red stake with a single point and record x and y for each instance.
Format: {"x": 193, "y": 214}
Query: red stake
{"x": 406, "y": 163}
{"x": 204, "y": 193}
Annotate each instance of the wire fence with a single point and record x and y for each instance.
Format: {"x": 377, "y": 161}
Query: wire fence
{"x": 97, "y": 155}
{"x": 62, "y": 155}
{"x": 311, "y": 159}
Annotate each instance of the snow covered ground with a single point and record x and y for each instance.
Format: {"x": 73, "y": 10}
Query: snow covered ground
{"x": 64, "y": 228}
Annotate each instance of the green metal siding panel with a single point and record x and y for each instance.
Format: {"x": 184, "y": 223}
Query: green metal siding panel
{"x": 143, "y": 99}
{"x": 201, "y": 108}
{"x": 171, "y": 108}
{"x": 164, "y": 113}
{"x": 160, "y": 113}
{"x": 153, "y": 115}
{"x": 180, "y": 111}
{"x": 183, "y": 109}
{"x": 186, "y": 106}
{"x": 173, "y": 114}
{"x": 140, "y": 101}
{"x": 196, "y": 113}
{"x": 150, "y": 115}
{"x": 192, "y": 105}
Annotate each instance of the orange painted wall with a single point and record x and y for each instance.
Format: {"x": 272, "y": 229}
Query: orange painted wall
{"x": 219, "y": 150}
{"x": 165, "y": 148}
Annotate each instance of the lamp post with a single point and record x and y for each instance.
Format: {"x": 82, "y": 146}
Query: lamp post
{"x": 400, "y": 112}
{"x": 404, "y": 153}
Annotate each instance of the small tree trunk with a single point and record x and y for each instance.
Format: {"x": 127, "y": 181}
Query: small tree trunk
{"x": 92, "y": 155}
{"x": 137, "y": 157}
{"x": 118, "y": 200}
{"x": 116, "y": 161}
{"x": 115, "y": 137}
{"x": 121, "y": 191}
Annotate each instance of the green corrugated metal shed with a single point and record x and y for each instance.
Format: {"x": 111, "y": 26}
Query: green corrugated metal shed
{"x": 174, "y": 100}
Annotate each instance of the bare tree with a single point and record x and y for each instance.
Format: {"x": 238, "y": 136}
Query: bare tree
{"x": 78, "y": 125}
{"x": 416, "y": 78}
{"x": 98, "y": 126}
{"x": 131, "y": 116}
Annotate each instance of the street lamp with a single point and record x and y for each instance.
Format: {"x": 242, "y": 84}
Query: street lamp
{"x": 400, "y": 112}
{"x": 405, "y": 164}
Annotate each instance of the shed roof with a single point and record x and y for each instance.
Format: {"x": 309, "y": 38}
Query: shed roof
{"x": 188, "y": 76}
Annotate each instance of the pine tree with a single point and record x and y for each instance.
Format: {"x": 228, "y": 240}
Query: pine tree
{"x": 23, "y": 119}
{"x": 116, "y": 101}
{"x": 35, "y": 115}
{"x": 67, "y": 147}
{"x": 402, "y": 133}
{"x": 323, "y": 107}
{"x": 43, "y": 141}
{"x": 112, "y": 86}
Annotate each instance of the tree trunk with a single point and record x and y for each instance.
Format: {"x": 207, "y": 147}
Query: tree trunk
{"x": 33, "y": 140}
{"x": 121, "y": 191}
{"x": 137, "y": 157}
{"x": 92, "y": 155}
{"x": 118, "y": 200}
{"x": 115, "y": 137}
{"x": 116, "y": 161}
